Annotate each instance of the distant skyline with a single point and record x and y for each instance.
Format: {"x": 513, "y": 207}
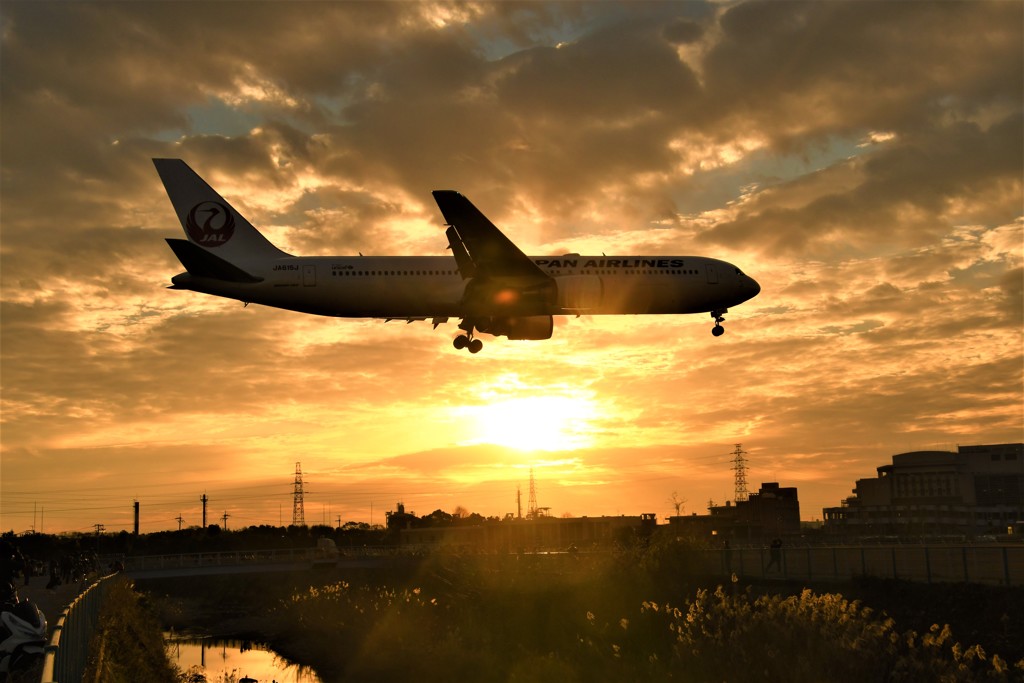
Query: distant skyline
{"x": 862, "y": 161}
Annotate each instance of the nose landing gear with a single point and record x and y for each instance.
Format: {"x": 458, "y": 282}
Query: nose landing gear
{"x": 718, "y": 315}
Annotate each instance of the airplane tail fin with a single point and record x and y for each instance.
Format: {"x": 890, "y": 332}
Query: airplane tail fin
{"x": 209, "y": 221}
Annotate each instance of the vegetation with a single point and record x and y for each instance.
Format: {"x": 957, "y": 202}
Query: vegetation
{"x": 128, "y": 645}
{"x": 639, "y": 616}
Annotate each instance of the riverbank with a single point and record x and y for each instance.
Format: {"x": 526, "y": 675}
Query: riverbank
{"x": 128, "y": 645}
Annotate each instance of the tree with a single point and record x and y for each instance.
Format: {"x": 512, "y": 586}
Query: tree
{"x": 438, "y": 518}
{"x": 678, "y": 503}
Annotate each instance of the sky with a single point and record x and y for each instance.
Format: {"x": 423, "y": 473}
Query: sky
{"x": 863, "y": 161}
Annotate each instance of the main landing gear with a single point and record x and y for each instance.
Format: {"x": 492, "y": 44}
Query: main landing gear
{"x": 718, "y": 315}
{"x": 467, "y": 341}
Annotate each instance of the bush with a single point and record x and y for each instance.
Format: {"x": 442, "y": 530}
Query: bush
{"x": 717, "y": 637}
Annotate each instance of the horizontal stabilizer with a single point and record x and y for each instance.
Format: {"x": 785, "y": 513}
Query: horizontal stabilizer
{"x": 201, "y": 263}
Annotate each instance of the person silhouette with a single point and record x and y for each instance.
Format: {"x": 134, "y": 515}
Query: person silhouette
{"x": 775, "y": 552}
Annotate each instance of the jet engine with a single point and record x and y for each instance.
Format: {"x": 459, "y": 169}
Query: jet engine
{"x": 521, "y": 327}
{"x": 579, "y": 293}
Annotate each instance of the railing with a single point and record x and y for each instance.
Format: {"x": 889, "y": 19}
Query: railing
{"x": 989, "y": 564}
{"x": 68, "y": 650}
{"x": 235, "y": 558}
{"x": 216, "y": 559}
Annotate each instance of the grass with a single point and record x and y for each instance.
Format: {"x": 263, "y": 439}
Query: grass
{"x": 128, "y": 645}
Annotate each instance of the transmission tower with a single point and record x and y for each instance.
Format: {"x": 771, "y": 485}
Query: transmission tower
{"x": 298, "y": 508}
{"x": 739, "y": 463}
{"x": 531, "y": 508}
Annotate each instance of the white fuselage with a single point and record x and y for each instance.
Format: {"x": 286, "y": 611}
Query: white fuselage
{"x": 431, "y": 286}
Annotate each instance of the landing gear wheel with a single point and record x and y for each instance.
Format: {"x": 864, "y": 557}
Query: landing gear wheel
{"x": 719, "y": 316}
{"x": 460, "y": 342}
{"x": 475, "y": 345}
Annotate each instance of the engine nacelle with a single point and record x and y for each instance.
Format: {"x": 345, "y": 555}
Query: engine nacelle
{"x": 533, "y": 327}
{"x": 579, "y": 293}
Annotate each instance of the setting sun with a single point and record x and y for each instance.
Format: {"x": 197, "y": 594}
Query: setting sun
{"x": 534, "y": 423}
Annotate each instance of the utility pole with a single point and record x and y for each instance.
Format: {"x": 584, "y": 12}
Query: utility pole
{"x": 739, "y": 463}
{"x": 136, "y": 506}
{"x": 99, "y": 529}
{"x": 179, "y": 520}
{"x": 225, "y": 518}
{"x": 204, "y": 499}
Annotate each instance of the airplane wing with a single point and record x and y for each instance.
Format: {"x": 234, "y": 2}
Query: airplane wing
{"x": 480, "y": 249}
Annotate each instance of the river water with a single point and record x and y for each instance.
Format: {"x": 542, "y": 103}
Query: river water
{"x": 231, "y": 661}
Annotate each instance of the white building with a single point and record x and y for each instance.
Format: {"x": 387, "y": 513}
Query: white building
{"x": 975, "y": 490}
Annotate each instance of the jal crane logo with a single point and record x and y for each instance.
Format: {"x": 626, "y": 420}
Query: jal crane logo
{"x": 210, "y": 224}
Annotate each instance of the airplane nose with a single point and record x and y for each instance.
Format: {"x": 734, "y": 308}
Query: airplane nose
{"x": 753, "y": 289}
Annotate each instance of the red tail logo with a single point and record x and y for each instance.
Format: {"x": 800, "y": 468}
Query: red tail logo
{"x": 210, "y": 224}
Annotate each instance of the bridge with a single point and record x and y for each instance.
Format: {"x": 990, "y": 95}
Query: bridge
{"x": 979, "y": 563}
{"x": 259, "y": 561}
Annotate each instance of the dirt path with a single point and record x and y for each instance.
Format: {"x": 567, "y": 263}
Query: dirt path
{"x": 51, "y": 601}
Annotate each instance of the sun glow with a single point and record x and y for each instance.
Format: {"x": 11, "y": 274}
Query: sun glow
{"x": 549, "y": 423}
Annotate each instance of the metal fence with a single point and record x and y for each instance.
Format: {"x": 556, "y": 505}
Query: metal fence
{"x": 988, "y": 564}
{"x": 68, "y": 651}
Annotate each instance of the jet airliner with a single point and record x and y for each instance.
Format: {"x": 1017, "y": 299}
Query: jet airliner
{"x": 487, "y": 282}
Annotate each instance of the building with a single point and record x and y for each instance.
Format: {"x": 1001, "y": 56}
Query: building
{"x": 974, "y": 490}
{"x": 772, "y": 512}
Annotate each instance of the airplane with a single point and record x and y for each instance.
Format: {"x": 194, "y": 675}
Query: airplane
{"x": 487, "y": 282}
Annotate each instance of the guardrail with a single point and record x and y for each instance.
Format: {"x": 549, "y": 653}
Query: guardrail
{"x": 68, "y": 651}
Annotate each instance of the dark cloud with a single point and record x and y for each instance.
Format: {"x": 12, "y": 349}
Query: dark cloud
{"x": 683, "y": 31}
{"x": 896, "y": 196}
{"x": 797, "y": 72}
